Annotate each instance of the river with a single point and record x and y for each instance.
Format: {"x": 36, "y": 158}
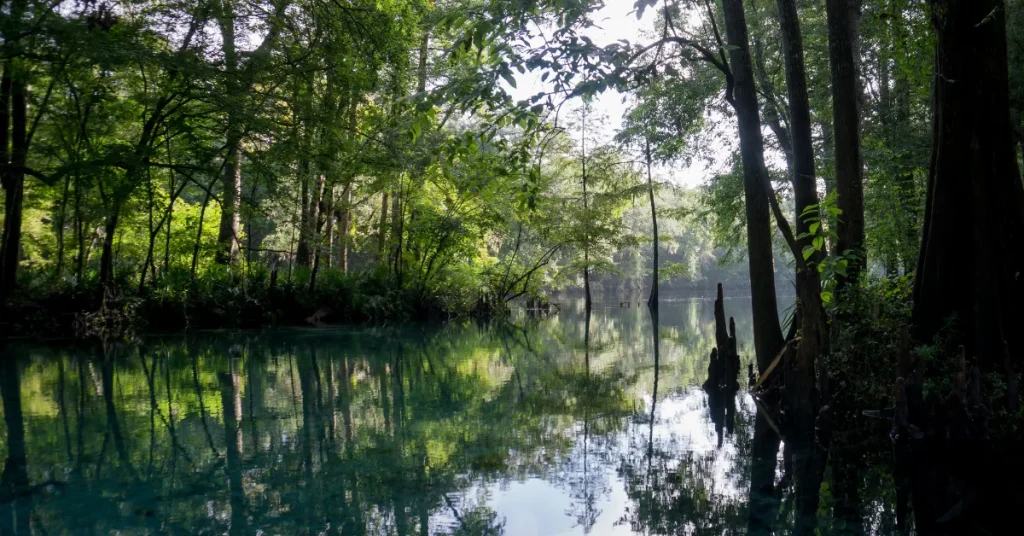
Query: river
{"x": 559, "y": 426}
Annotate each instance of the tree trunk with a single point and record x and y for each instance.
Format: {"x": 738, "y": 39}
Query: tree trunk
{"x": 13, "y": 90}
{"x": 971, "y": 258}
{"x": 231, "y": 202}
{"x": 586, "y": 245}
{"x": 61, "y": 224}
{"x": 653, "y": 300}
{"x": 302, "y": 250}
{"x": 328, "y": 213}
{"x": 321, "y": 217}
{"x": 170, "y": 213}
{"x": 804, "y": 184}
{"x": 230, "y": 222}
{"x": 79, "y": 233}
{"x": 382, "y": 232}
{"x": 199, "y": 233}
{"x": 397, "y": 231}
{"x": 107, "y": 257}
{"x": 843, "y": 16}
{"x": 421, "y": 82}
{"x": 767, "y": 332}
{"x": 344, "y": 222}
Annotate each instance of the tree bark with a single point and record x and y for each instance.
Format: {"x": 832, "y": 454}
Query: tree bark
{"x": 344, "y": 222}
{"x": 586, "y": 244}
{"x": 107, "y": 257}
{"x": 13, "y": 90}
{"x": 230, "y": 221}
{"x": 199, "y": 233}
{"x": 382, "y": 232}
{"x": 971, "y": 259}
{"x": 843, "y": 17}
{"x": 79, "y": 233}
{"x": 767, "y": 332}
{"x": 231, "y": 203}
{"x": 804, "y": 184}
{"x": 305, "y": 217}
{"x": 321, "y": 217}
{"x": 653, "y": 300}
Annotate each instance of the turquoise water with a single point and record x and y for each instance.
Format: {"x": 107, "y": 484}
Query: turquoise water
{"x": 564, "y": 425}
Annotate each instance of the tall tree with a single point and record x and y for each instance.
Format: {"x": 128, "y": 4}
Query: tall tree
{"x": 843, "y": 18}
{"x": 13, "y": 147}
{"x": 239, "y": 72}
{"x": 971, "y": 259}
{"x": 805, "y": 189}
{"x": 767, "y": 331}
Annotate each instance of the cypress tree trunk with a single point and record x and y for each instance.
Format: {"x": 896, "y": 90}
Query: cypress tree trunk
{"x": 653, "y": 300}
{"x": 971, "y": 260}
{"x": 767, "y": 332}
{"x": 586, "y": 244}
{"x": 230, "y": 222}
{"x": 344, "y": 221}
{"x": 382, "y": 232}
{"x": 843, "y": 18}
{"x": 61, "y": 224}
{"x": 804, "y": 184}
{"x": 107, "y": 256}
{"x": 13, "y": 90}
{"x": 302, "y": 250}
{"x": 230, "y": 216}
{"x": 199, "y": 232}
{"x": 79, "y": 233}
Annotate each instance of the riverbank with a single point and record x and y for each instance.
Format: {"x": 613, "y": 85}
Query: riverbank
{"x": 223, "y": 301}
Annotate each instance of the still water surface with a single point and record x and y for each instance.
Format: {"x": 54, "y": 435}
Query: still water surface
{"x": 566, "y": 425}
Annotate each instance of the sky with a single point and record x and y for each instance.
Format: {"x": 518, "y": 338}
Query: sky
{"x": 617, "y": 20}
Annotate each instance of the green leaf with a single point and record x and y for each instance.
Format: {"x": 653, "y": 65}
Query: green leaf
{"x": 826, "y": 296}
{"x": 819, "y": 242}
{"x": 815, "y": 226}
{"x": 808, "y": 251}
{"x": 507, "y": 75}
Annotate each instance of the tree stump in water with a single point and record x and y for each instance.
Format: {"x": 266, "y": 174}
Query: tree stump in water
{"x": 723, "y": 371}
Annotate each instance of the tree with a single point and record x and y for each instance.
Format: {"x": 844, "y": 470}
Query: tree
{"x": 969, "y": 266}
{"x": 843, "y": 16}
{"x": 666, "y": 113}
{"x": 742, "y": 94}
{"x": 805, "y": 191}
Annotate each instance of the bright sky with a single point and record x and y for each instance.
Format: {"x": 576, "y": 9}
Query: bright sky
{"x": 616, "y": 21}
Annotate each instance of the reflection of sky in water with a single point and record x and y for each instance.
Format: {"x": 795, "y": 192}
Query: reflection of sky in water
{"x": 543, "y": 506}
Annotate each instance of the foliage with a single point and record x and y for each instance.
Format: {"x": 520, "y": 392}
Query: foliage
{"x": 832, "y": 265}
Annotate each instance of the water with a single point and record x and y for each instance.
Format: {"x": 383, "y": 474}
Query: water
{"x": 549, "y": 427}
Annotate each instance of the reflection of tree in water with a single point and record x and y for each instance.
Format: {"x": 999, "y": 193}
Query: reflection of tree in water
{"x": 674, "y": 489}
{"x": 360, "y": 434}
{"x": 599, "y": 407}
